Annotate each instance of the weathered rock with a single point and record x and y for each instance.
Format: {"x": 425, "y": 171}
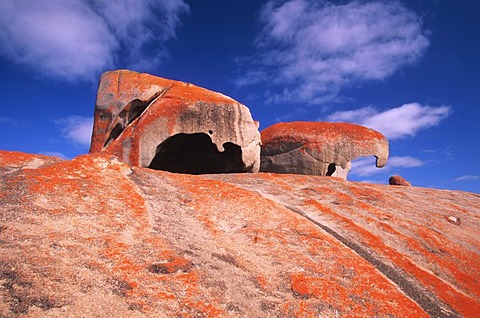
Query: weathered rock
{"x": 319, "y": 148}
{"x": 154, "y": 122}
{"x": 399, "y": 181}
{"x": 93, "y": 237}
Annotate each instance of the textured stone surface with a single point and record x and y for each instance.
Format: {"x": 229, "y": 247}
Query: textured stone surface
{"x": 399, "y": 181}
{"x": 93, "y": 237}
{"x": 135, "y": 113}
{"x": 319, "y": 148}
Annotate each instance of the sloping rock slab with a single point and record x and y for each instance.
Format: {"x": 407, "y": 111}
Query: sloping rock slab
{"x": 93, "y": 237}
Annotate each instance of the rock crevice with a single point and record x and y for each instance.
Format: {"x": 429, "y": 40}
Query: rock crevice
{"x": 408, "y": 284}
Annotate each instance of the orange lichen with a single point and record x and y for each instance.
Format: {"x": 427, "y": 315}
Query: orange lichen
{"x": 165, "y": 296}
{"x": 371, "y": 300}
{"x": 263, "y": 281}
{"x": 21, "y": 159}
{"x": 461, "y": 302}
{"x": 302, "y": 308}
{"x": 93, "y": 212}
{"x": 172, "y": 265}
{"x": 122, "y": 205}
{"x": 206, "y": 309}
{"x": 294, "y": 231}
{"x": 173, "y": 99}
{"x": 318, "y": 131}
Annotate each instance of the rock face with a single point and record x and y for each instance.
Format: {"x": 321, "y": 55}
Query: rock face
{"x": 163, "y": 124}
{"x": 94, "y": 237}
{"x": 319, "y": 148}
{"x": 399, "y": 181}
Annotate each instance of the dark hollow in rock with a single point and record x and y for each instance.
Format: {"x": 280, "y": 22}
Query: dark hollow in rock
{"x": 196, "y": 154}
{"x": 331, "y": 169}
{"x": 130, "y": 112}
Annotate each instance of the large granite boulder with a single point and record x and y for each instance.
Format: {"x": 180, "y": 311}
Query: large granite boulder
{"x": 319, "y": 148}
{"x": 163, "y": 124}
{"x": 93, "y": 237}
{"x": 398, "y": 181}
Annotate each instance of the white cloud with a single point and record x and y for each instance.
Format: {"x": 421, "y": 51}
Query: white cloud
{"x": 468, "y": 177}
{"x": 445, "y": 152}
{"x": 394, "y": 123}
{"x": 366, "y": 166}
{"x": 316, "y": 48}
{"x": 251, "y": 77}
{"x": 77, "y": 129}
{"x": 77, "y": 39}
{"x": 404, "y": 162}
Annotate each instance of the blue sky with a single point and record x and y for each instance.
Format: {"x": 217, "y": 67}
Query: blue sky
{"x": 409, "y": 69}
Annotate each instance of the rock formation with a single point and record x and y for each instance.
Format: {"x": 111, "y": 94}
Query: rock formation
{"x": 399, "y": 181}
{"x": 163, "y": 124}
{"x": 319, "y": 148}
{"x": 94, "y": 237}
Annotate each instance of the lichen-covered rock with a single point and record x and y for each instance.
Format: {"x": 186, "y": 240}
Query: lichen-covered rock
{"x": 154, "y": 122}
{"x": 93, "y": 237}
{"x": 398, "y": 181}
{"x": 319, "y": 148}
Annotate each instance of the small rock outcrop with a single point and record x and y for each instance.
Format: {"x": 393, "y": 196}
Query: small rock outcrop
{"x": 319, "y": 148}
{"x": 164, "y": 124}
{"x": 398, "y": 181}
{"x": 159, "y": 244}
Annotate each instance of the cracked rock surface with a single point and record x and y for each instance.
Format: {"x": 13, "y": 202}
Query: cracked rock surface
{"x": 154, "y": 122}
{"x": 94, "y": 237}
{"x": 319, "y": 148}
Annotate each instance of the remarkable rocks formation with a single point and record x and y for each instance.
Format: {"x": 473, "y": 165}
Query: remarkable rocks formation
{"x": 319, "y": 148}
{"x": 163, "y": 124}
{"x": 398, "y": 181}
{"x": 94, "y": 237}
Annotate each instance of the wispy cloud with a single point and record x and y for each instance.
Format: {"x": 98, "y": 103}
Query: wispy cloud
{"x": 468, "y": 177}
{"x": 443, "y": 153}
{"x": 4, "y": 120}
{"x": 395, "y": 123}
{"x": 77, "y": 129}
{"x": 77, "y": 39}
{"x": 10, "y": 122}
{"x": 312, "y": 49}
{"x": 366, "y": 166}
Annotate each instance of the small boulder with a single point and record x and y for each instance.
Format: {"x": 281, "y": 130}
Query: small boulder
{"x": 164, "y": 124}
{"x": 319, "y": 148}
{"x": 398, "y": 181}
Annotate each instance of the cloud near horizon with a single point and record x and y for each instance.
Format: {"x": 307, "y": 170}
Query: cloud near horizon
{"x": 468, "y": 177}
{"x": 76, "y": 129}
{"x": 395, "y": 123}
{"x": 366, "y": 166}
{"x": 76, "y": 39}
{"x": 310, "y": 50}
